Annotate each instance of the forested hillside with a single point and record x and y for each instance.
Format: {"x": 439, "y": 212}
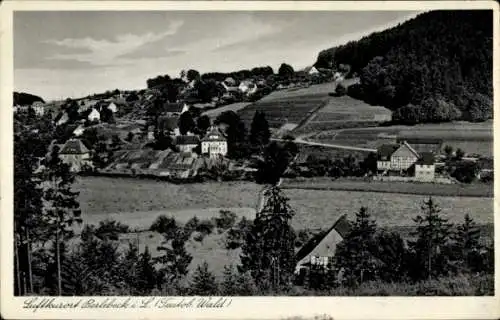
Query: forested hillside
{"x": 23, "y": 99}
{"x": 435, "y": 67}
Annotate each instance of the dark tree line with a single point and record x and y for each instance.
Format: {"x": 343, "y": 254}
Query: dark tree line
{"x": 257, "y": 72}
{"x": 24, "y": 99}
{"x": 436, "y": 249}
{"x": 435, "y": 67}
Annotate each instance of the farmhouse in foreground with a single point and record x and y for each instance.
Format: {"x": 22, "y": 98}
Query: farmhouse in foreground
{"x": 317, "y": 254}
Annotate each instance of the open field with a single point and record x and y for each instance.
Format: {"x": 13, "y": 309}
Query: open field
{"x": 137, "y": 203}
{"x": 109, "y": 197}
{"x": 281, "y": 111}
{"x": 317, "y": 89}
{"x": 470, "y": 137}
{"x": 428, "y": 189}
{"x": 342, "y": 112}
{"x": 213, "y": 113}
{"x": 102, "y": 195}
{"x": 322, "y": 89}
{"x": 320, "y": 208}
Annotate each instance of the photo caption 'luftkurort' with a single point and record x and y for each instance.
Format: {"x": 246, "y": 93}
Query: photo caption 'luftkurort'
{"x": 38, "y": 303}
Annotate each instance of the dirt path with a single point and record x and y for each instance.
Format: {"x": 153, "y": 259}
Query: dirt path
{"x": 327, "y": 145}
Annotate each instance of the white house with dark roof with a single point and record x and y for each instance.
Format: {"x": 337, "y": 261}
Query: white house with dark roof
{"x": 247, "y": 87}
{"x": 318, "y": 253}
{"x": 94, "y": 115}
{"x": 39, "y": 108}
{"x": 75, "y": 154}
{"x": 214, "y": 143}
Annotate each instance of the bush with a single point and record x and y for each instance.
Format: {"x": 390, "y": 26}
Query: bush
{"x": 110, "y": 229}
{"x": 355, "y": 91}
{"x": 340, "y": 90}
{"x": 205, "y": 226}
{"x": 226, "y": 219}
{"x": 465, "y": 171}
{"x": 165, "y": 225}
{"x": 237, "y": 234}
{"x": 191, "y": 225}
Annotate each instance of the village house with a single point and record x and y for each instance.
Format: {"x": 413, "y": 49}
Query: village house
{"x": 247, "y": 87}
{"x": 214, "y": 143}
{"x": 94, "y": 115}
{"x": 38, "y": 107}
{"x": 75, "y": 154}
{"x": 312, "y": 71}
{"x": 174, "y": 109}
{"x": 403, "y": 160}
{"x": 62, "y": 119}
{"x": 79, "y": 131}
{"x": 113, "y": 107}
{"x": 318, "y": 252}
{"x": 187, "y": 143}
{"x": 169, "y": 125}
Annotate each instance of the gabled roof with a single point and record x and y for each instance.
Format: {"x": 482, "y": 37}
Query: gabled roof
{"x": 410, "y": 148}
{"x": 184, "y": 139}
{"x": 324, "y": 244}
{"x": 168, "y": 123}
{"x": 385, "y": 151}
{"x": 423, "y": 145}
{"x": 426, "y": 158}
{"x": 74, "y": 146}
{"x": 214, "y": 134}
{"x": 173, "y": 107}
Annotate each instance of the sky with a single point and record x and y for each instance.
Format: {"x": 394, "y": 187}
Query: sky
{"x": 75, "y": 53}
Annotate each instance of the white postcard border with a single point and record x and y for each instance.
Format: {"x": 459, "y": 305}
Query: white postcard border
{"x": 240, "y": 307}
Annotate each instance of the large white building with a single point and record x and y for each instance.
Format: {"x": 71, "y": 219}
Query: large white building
{"x": 214, "y": 143}
{"x": 75, "y": 154}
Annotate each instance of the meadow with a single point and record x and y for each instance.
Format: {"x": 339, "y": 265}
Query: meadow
{"x": 214, "y": 113}
{"x": 282, "y": 111}
{"x": 341, "y": 112}
{"x": 138, "y": 203}
{"x": 143, "y": 200}
{"x": 420, "y": 188}
{"x": 473, "y": 138}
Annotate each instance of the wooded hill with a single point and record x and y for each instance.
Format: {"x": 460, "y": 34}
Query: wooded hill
{"x": 24, "y": 99}
{"x": 435, "y": 67}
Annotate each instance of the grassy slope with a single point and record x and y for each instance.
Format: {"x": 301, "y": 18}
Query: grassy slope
{"x": 315, "y": 208}
{"x": 129, "y": 200}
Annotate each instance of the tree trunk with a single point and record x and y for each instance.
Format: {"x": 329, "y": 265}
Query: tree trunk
{"x": 17, "y": 268}
{"x": 30, "y": 271}
{"x": 58, "y": 262}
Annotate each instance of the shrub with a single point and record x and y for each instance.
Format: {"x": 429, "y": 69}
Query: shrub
{"x": 355, "y": 91}
{"x": 110, "y": 229}
{"x": 205, "y": 226}
{"x": 165, "y": 225}
{"x": 340, "y": 90}
{"x": 225, "y": 220}
{"x": 191, "y": 225}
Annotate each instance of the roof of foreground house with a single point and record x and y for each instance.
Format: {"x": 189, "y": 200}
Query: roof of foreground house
{"x": 74, "y": 146}
{"x": 324, "y": 244}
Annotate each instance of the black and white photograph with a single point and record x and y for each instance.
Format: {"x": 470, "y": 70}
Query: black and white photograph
{"x": 253, "y": 153}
